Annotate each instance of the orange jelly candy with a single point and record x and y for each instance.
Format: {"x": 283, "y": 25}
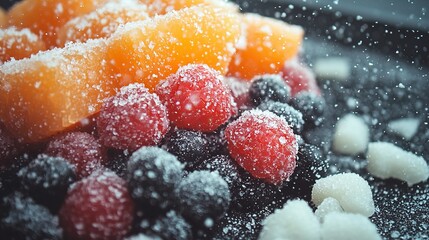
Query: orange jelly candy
{"x": 45, "y": 17}
{"x": 51, "y": 91}
{"x": 151, "y": 50}
{"x": 160, "y": 7}
{"x": 3, "y": 18}
{"x": 266, "y": 45}
{"x": 18, "y": 44}
{"x": 101, "y": 22}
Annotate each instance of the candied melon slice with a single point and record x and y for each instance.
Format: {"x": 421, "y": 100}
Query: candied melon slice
{"x": 151, "y": 50}
{"x": 101, "y": 22}
{"x": 51, "y": 91}
{"x": 3, "y": 18}
{"x": 267, "y": 44}
{"x": 160, "y": 7}
{"x": 18, "y": 44}
{"x": 45, "y": 17}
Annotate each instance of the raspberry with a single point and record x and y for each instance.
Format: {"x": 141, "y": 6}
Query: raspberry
{"x": 97, "y": 207}
{"x": 263, "y": 144}
{"x": 152, "y": 175}
{"x": 80, "y": 149}
{"x": 132, "y": 118}
{"x": 196, "y": 98}
{"x": 292, "y": 116}
{"x": 47, "y": 179}
{"x": 269, "y": 87}
{"x": 299, "y": 78}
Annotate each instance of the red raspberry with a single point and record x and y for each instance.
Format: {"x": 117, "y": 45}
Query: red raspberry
{"x": 132, "y": 118}
{"x": 299, "y": 78}
{"x": 97, "y": 207}
{"x": 263, "y": 144}
{"x": 196, "y": 98}
{"x": 81, "y": 149}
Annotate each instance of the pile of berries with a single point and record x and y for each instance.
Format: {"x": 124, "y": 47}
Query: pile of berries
{"x": 195, "y": 159}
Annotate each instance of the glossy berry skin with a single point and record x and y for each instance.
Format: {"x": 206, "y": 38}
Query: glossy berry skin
{"x": 196, "y": 98}
{"x": 97, "y": 207}
{"x": 268, "y": 87}
{"x": 299, "y": 78}
{"x": 22, "y": 218}
{"x": 311, "y": 105}
{"x": 81, "y": 149}
{"x": 204, "y": 197}
{"x": 132, "y": 118}
{"x": 152, "y": 175}
{"x": 263, "y": 144}
{"x": 47, "y": 180}
{"x": 292, "y": 116}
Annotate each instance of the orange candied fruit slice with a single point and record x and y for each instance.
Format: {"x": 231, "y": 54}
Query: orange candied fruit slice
{"x": 102, "y": 22}
{"x": 160, "y": 7}
{"x": 18, "y": 44}
{"x": 3, "y": 18}
{"x": 53, "y": 90}
{"x": 266, "y": 45}
{"x": 149, "y": 51}
{"x": 45, "y": 17}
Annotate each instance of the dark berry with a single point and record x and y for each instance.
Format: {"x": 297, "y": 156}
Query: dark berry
{"x": 311, "y": 106}
{"x": 97, "y": 207}
{"x": 152, "y": 175}
{"x": 118, "y": 160}
{"x": 263, "y": 144}
{"x": 190, "y": 147}
{"x": 132, "y": 118}
{"x": 204, "y": 197}
{"x": 168, "y": 226}
{"x": 292, "y": 116}
{"x": 225, "y": 166}
{"x": 22, "y": 218}
{"x": 79, "y": 148}
{"x": 47, "y": 180}
{"x": 217, "y": 144}
{"x": 196, "y": 98}
{"x": 268, "y": 87}
{"x": 299, "y": 78}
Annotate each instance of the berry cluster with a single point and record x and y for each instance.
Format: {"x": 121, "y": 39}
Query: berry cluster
{"x": 183, "y": 162}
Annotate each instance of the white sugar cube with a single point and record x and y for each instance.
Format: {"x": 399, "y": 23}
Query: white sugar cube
{"x": 386, "y": 160}
{"x": 351, "y": 135}
{"x": 405, "y": 127}
{"x": 332, "y": 68}
{"x": 351, "y": 190}
{"x": 341, "y": 226}
{"x": 327, "y": 206}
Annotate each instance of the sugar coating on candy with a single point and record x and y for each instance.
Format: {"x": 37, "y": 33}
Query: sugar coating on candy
{"x": 337, "y": 68}
{"x": 132, "y": 118}
{"x": 159, "y": 7}
{"x": 18, "y": 44}
{"x": 263, "y": 144}
{"x": 385, "y": 160}
{"x": 351, "y": 135}
{"x": 351, "y": 190}
{"x": 327, "y": 206}
{"x": 102, "y": 22}
{"x": 405, "y": 127}
{"x": 97, "y": 207}
{"x": 81, "y": 149}
{"x": 340, "y": 226}
{"x": 295, "y": 220}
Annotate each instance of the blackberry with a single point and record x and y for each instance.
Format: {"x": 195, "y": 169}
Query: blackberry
{"x": 269, "y": 87}
{"x": 47, "y": 179}
{"x": 292, "y": 116}
{"x": 225, "y": 166}
{"x": 190, "y": 147}
{"x": 311, "y": 105}
{"x": 118, "y": 161}
{"x": 204, "y": 197}
{"x": 169, "y": 226}
{"x": 22, "y": 218}
{"x": 152, "y": 175}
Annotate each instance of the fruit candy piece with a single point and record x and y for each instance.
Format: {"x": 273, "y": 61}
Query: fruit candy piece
{"x": 263, "y": 144}
{"x": 81, "y": 149}
{"x": 159, "y": 7}
{"x": 196, "y": 98}
{"x": 132, "y": 118}
{"x": 3, "y": 18}
{"x": 18, "y": 44}
{"x": 97, "y": 207}
{"x": 53, "y": 90}
{"x": 151, "y": 50}
{"x": 299, "y": 78}
{"x": 45, "y": 17}
{"x": 102, "y": 22}
{"x": 267, "y": 44}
